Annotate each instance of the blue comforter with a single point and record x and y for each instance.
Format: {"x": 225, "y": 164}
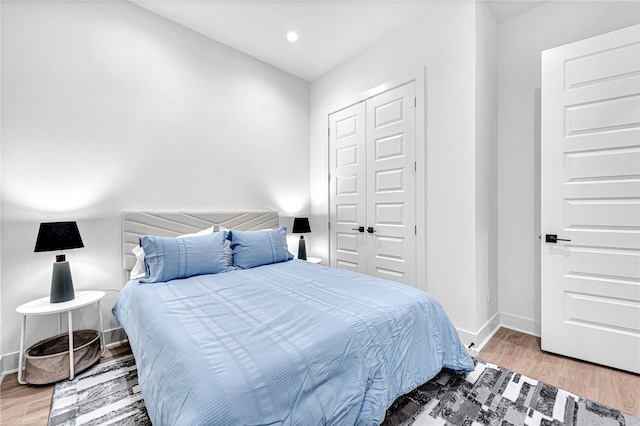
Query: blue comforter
{"x": 290, "y": 343}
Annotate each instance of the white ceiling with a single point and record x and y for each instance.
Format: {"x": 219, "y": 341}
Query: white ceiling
{"x": 329, "y": 32}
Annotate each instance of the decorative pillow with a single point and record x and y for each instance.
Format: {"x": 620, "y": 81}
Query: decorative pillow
{"x": 168, "y": 258}
{"x": 228, "y": 253}
{"x": 255, "y": 248}
{"x": 139, "y": 271}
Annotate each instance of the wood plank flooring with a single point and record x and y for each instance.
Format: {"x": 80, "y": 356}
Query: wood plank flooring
{"x": 521, "y": 353}
{"x": 29, "y": 405}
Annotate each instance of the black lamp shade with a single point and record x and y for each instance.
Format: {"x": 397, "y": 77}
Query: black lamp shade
{"x": 58, "y": 236}
{"x": 54, "y": 236}
{"x": 301, "y": 225}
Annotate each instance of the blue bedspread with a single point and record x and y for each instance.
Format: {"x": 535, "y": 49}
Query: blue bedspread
{"x": 284, "y": 344}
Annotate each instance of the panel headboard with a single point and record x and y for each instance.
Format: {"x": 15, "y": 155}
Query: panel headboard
{"x": 174, "y": 223}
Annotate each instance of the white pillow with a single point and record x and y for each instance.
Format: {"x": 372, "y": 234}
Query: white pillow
{"x": 228, "y": 253}
{"x": 139, "y": 270}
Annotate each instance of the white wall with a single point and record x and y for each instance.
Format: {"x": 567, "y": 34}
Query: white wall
{"x": 107, "y": 107}
{"x": 521, "y": 41}
{"x": 486, "y": 152}
{"x": 1, "y": 340}
{"x": 443, "y": 41}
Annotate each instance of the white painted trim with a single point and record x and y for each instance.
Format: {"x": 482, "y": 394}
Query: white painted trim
{"x": 482, "y": 336}
{"x": 482, "y": 344}
{"x": 9, "y": 364}
{"x": 491, "y": 327}
{"x": 487, "y": 331}
{"x": 2, "y": 372}
{"x": 466, "y": 337}
{"x": 115, "y": 336}
{"x": 522, "y": 324}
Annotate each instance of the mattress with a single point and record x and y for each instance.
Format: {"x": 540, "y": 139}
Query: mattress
{"x": 289, "y": 343}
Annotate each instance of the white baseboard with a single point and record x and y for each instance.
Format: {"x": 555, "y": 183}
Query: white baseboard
{"x": 114, "y": 337}
{"x": 522, "y": 324}
{"x": 9, "y": 361}
{"x": 466, "y": 337}
{"x": 489, "y": 329}
{"x": 476, "y": 341}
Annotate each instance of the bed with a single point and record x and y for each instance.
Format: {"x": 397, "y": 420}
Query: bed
{"x": 281, "y": 342}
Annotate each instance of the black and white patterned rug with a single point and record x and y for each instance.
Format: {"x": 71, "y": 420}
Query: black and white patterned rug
{"x": 108, "y": 394}
{"x": 493, "y": 395}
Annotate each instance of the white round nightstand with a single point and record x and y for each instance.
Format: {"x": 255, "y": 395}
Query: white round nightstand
{"x": 315, "y": 260}
{"x": 42, "y": 306}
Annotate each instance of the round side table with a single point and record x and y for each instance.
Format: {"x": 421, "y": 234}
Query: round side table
{"x": 42, "y": 306}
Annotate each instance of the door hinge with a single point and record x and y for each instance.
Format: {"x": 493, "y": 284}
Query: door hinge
{"x": 415, "y": 166}
{"x": 328, "y": 131}
{"x": 415, "y": 229}
{"x": 415, "y": 102}
{"x": 329, "y": 225}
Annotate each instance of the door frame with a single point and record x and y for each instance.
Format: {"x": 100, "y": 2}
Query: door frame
{"x": 419, "y": 76}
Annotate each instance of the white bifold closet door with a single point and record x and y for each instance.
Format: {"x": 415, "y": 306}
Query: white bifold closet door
{"x": 372, "y": 194}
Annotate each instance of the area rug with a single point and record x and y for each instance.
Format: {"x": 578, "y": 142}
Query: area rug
{"x": 108, "y": 394}
{"x": 493, "y": 395}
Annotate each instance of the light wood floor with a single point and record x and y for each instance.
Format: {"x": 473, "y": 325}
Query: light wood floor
{"x": 29, "y": 405}
{"x": 521, "y": 353}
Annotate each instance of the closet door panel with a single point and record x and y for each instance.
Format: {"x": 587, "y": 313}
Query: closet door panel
{"x": 347, "y": 188}
{"x": 390, "y": 178}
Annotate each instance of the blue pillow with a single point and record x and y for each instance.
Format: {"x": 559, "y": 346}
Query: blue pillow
{"x": 168, "y": 258}
{"x": 255, "y": 248}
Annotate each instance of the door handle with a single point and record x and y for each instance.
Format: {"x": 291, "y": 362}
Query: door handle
{"x": 553, "y": 238}
{"x": 359, "y": 229}
{"x": 371, "y": 230}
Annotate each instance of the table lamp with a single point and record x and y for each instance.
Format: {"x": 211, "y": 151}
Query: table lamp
{"x": 301, "y": 226}
{"x": 58, "y": 236}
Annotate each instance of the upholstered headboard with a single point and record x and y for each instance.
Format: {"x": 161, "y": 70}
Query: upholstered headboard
{"x": 174, "y": 223}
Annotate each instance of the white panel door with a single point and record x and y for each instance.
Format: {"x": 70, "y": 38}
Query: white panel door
{"x": 591, "y": 199}
{"x": 391, "y": 192}
{"x": 347, "y": 188}
{"x": 372, "y": 198}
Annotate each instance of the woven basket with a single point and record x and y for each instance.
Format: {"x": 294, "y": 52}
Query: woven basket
{"x": 48, "y": 360}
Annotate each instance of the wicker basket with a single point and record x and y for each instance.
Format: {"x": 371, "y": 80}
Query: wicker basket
{"x": 48, "y": 360}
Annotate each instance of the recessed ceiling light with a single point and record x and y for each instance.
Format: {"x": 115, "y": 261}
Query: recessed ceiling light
{"x": 292, "y": 36}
